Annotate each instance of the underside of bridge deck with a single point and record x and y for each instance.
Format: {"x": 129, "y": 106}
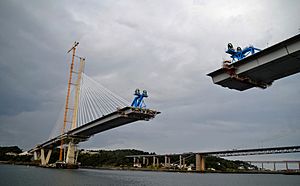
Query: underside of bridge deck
{"x": 118, "y": 118}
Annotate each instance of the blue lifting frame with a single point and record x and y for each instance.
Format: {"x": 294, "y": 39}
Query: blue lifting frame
{"x": 240, "y": 53}
{"x": 138, "y": 101}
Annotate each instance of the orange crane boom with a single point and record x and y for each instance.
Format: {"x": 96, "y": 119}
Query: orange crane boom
{"x": 68, "y": 97}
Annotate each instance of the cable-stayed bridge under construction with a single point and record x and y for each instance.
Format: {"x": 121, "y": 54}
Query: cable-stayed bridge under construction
{"x": 90, "y": 109}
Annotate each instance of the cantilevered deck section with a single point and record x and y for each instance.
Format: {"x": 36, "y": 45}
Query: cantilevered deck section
{"x": 118, "y": 118}
{"x": 261, "y": 69}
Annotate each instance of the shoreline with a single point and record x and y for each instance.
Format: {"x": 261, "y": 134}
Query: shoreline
{"x": 283, "y": 172}
{"x": 193, "y": 171}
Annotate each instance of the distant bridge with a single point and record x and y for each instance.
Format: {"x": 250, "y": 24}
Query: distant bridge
{"x": 255, "y": 151}
{"x": 200, "y": 156}
{"x": 275, "y": 162}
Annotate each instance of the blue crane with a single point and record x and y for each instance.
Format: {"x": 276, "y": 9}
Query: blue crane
{"x": 138, "y": 101}
{"x": 240, "y": 53}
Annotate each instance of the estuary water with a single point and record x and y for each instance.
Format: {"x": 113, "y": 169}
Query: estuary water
{"x": 33, "y": 176}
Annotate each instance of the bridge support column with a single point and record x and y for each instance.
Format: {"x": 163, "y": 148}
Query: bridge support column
{"x": 35, "y": 155}
{"x": 167, "y": 161}
{"x": 48, "y": 156}
{"x": 203, "y": 163}
{"x": 180, "y": 161}
{"x": 200, "y": 162}
{"x": 65, "y": 153}
{"x": 274, "y": 166}
{"x": 154, "y": 161}
{"x": 136, "y": 162}
{"x": 145, "y": 161}
{"x": 45, "y": 161}
{"x": 70, "y": 159}
{"x": 183, "y": 162}
{"x": 262, "y": 166}
{"x": 286, "y": 165}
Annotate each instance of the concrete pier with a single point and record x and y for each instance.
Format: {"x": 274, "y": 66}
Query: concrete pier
{"x": 180, "y": 161}
{"x": 145, "y": 161}
{"x": 70, "y": 159}
{"x": 35, "y": 155}
{"x": 44, "y": 160}
{"x": 155, "y": 161}
{"x": 167, "y": 161}
{"x": 200, "y": 162}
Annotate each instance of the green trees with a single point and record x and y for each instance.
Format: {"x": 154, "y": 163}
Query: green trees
{"x": 108, "y": 158}
{"x": 10, "y": 154}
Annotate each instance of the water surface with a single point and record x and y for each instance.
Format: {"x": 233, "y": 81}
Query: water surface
{"x": 33, "y": 176}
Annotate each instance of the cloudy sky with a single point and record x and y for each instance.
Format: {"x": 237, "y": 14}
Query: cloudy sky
{"x": 166, "y": 47}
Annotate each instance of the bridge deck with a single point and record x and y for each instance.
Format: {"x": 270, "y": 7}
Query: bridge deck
{"x": 118, "y": 118}
{"x": 273, "y": 63}
{"x": 273, "y": 161}
{"x": 234, "y": 152}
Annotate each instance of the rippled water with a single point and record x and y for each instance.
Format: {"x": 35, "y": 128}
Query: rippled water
{"x": 23, "y": 175}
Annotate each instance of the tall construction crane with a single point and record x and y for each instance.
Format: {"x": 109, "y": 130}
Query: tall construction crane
{"x": 72, "y": 110}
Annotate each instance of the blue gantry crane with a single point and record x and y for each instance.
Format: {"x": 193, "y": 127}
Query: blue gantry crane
{"x": 138, "y": 101}
{"x": 240, "y": 53}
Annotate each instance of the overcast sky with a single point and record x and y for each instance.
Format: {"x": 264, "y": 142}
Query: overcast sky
{"x": 166, "y": 47}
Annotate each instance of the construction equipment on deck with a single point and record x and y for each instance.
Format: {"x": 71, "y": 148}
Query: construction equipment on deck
{"x": 239, "y": 54}
{"x": 138, "y": 101}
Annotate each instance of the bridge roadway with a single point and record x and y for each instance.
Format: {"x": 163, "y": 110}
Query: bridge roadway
{"x": 118, "y": 118}
{"x": 262, "y": 68}
{"x": 273, "y": 161}
{"x": 234, "y": 152}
